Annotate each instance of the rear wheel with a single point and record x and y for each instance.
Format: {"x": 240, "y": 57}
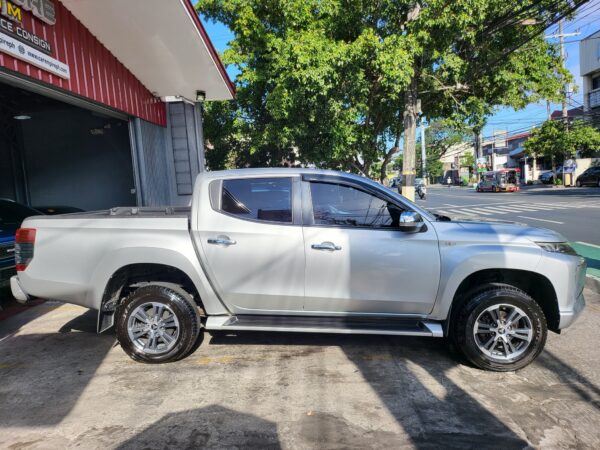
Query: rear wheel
{"x": 156, "y": 324}
{"x": 499, "y": 328}
{"x": 578, "y": 183}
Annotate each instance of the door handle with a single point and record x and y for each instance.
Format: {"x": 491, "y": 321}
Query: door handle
{"x": 328, "y": 246}
{"x": 221, "y": 241}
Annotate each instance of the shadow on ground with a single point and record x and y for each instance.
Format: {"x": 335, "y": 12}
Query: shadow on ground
{"x": 213, "y": 426}
{"x": 409, "y": 376}
{"x": 44, "y": 374}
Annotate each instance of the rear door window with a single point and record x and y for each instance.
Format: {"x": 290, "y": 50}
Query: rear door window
{"x": 263, "y": 199}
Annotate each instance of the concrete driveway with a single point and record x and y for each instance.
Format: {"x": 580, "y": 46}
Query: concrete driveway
{"x": 62, "y": 386}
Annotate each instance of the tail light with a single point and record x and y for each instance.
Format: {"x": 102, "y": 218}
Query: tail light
{"x": 25, "y": 239}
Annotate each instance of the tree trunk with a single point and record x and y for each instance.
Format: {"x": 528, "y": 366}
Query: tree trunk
{"x": 410, "y": 136}
{"x": 386, "y": 160}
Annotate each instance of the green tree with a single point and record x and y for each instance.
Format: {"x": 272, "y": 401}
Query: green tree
{"x": 440, "y": 136}
{"x": 467, "y": 160}
{"x": 338, "y": 83}
{"x": 558, "y": 140}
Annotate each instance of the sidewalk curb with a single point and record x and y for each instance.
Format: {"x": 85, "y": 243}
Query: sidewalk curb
{"x": 592, "y": 283}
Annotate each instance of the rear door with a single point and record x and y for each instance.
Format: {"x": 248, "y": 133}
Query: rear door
{"x": 253, "y": 244}
{"x": 357, "y": 259}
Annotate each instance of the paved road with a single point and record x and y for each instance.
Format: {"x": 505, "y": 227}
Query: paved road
{"x": 575, "y": 213}
{"x": 63, "y": 386}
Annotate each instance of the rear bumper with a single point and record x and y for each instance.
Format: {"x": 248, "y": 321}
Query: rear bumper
{"x": 17, "y": 290}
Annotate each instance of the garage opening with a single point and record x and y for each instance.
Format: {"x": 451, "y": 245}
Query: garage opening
{"x": 56, "y": 154}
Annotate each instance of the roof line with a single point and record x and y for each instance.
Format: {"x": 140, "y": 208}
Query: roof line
{"x": 589, "y": 35}
{"x": 213, "y": 52}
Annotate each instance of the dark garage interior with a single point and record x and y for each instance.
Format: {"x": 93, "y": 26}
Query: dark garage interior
{"x": 56, "y": 154}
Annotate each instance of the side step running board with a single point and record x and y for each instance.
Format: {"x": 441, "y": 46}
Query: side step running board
{"x": 341, "y": 325}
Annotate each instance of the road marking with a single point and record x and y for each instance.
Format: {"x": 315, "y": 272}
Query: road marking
{"x": 587, "y": 243}
{"x": 451, "y": 205}
{"x": 491, "y": 210}
{"x": 512, "y": 208}
{"x": 543, "y": 220}
{"x": 476, "y": 211}
{"x": 463, "y": 212}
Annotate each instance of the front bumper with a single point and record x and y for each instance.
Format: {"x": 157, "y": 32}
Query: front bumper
{"x": 575, "y": 302}
{"x": 568, "y": 317}
{"x": 17, "y": 290}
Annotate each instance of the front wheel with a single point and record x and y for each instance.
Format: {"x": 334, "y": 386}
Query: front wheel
{"x": 499, "y": 328}
{"x": 156, "y": 324}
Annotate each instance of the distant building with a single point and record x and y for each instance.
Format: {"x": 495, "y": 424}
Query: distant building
{"x": 589, "y": 68}
{"x": 506, "y": 152}
{"x": 572, "y": 114}
{"x": 452, "y": 164}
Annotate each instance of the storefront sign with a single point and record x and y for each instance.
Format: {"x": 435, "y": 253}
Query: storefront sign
{"x": 13, "y": 29}
{"x": 11, "y": 18}
{"x": 481, "y": 164}
{"x": 27, "y": 53}
{"x": 42, "y": 9}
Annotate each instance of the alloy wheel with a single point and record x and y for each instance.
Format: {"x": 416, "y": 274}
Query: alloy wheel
{"x": 503, "y": 332}
{"x": 153, "y": 328}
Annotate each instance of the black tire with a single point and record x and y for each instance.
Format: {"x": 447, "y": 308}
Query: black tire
{"x": 182, "y": 306}
{"x": 578, "y": 183}
{"x": 476, "y": 303}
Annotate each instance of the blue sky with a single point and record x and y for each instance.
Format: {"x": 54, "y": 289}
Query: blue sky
{"x": 586, "y": 22}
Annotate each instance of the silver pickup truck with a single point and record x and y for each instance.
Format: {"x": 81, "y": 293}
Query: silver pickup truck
{"x": 300, "y": 250}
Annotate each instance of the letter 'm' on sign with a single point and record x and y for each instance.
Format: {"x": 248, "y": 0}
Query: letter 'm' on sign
{"x": 10, "y": 11}
{"x": 14, "y": 11}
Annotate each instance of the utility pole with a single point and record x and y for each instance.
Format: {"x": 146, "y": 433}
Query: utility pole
{"x": 565, "y": 111}
{"x": 561, "y": 40}
{"x": 423, "y": 153}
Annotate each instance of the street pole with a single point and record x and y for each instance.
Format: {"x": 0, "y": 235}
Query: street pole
{"x": 561, "y": 40}
{"x": 565, "y": 112}
{"x": 423, "y": 154}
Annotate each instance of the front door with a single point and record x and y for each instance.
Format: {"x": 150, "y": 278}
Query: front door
{"x": 357, "y": 259}
{"x": 253, "y": 245}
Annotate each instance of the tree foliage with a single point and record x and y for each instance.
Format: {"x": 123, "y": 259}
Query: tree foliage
{"x": 440, "y": 136}
{"x": 328, "y": 80}
{"x": 557, "y": 139}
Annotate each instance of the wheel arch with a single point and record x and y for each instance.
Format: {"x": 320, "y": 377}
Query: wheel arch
{"x": 536, "y": 285}
{"x": 128, "y": 278}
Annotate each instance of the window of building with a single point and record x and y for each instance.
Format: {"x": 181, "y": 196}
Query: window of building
{"x": 335, "y": 204}
{"x": 596, "y": 82}
{"x": 268, "y": 199}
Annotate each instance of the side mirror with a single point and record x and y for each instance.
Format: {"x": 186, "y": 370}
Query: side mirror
{"x": 411, "y": 222}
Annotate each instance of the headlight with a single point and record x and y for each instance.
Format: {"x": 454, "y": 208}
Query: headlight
{"x": 557, "y": 247}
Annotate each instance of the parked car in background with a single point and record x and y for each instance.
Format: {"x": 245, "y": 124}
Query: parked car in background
{"x": 11, "y": 216}
{"x": 304, "y": 250}
{"x": 548, "y": 177}
{"x": 591, "y": 177}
